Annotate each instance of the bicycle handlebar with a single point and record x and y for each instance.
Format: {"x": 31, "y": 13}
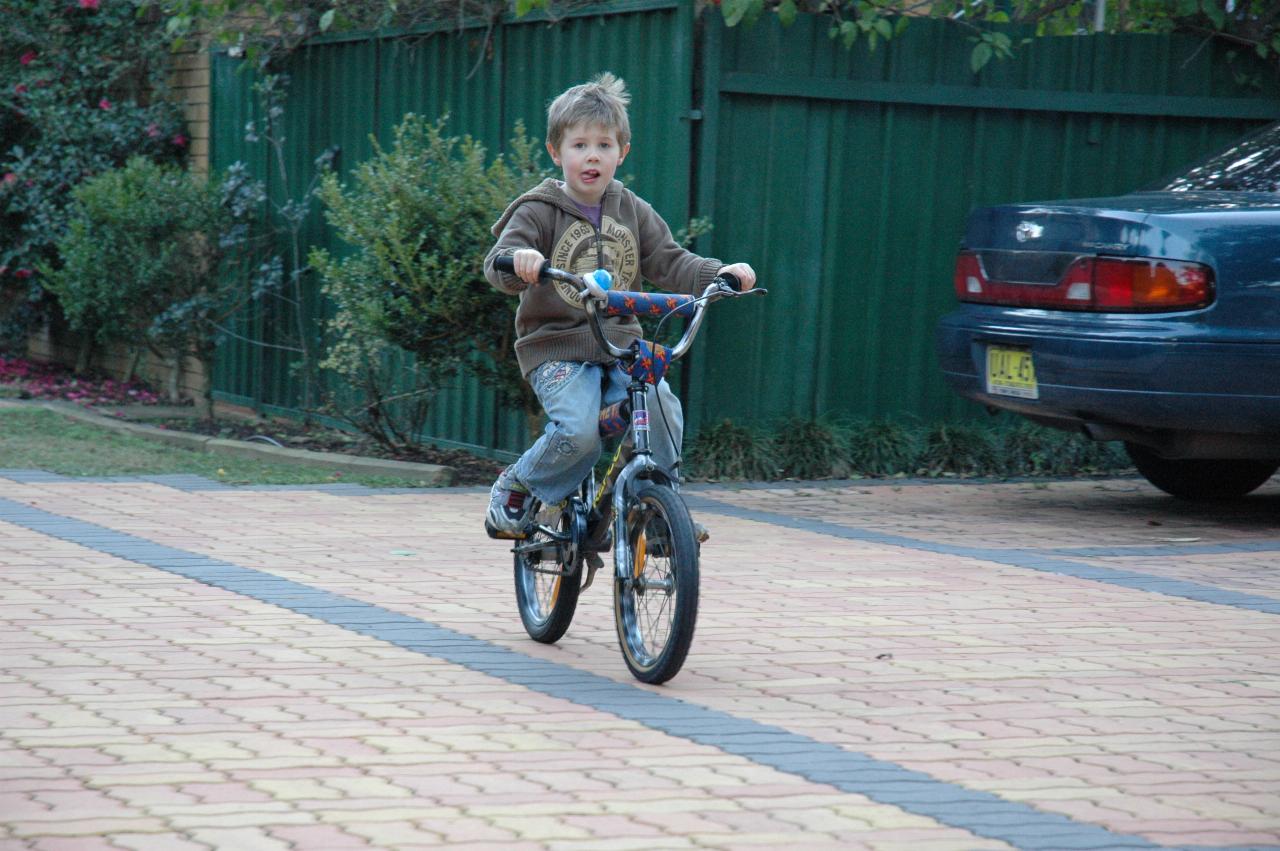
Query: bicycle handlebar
{"x": 627, "y": 303}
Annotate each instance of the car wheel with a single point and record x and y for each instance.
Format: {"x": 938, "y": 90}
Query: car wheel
{"x": 1200, "y": 478}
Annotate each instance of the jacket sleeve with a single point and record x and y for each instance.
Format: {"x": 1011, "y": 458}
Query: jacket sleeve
{"x": 523, "y": 230}
{"x": 664, "y": 262}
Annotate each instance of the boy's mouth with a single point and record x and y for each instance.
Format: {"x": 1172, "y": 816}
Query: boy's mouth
{"x": 590, "y": 175}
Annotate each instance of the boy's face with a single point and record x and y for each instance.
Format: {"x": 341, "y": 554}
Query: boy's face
{"x": 589, "y": 155}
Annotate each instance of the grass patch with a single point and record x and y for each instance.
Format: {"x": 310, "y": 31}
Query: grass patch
{"x": 44, "y": 440}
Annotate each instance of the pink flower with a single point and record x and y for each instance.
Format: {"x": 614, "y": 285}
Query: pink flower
{"x": 104, "y": 104}
{"x": 23, "y": 274}
{"x": 152, "y": 130}
{"x": 89, "y": 4}
{"x": 3, "y": 270}
{"x": 180, "y": 140}
{"x": 28, "y": 57}
{"x": 10, "y": 177}
{"x": 20, "y": 89}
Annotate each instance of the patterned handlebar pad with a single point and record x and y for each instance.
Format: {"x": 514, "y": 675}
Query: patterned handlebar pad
{"x": 625, "y": 303}
{"x": 650, "y": 362}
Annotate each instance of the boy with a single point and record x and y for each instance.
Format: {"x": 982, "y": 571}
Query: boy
{"x": 585, "y": 222}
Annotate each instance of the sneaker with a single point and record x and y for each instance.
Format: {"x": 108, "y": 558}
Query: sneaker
{"x": 510, "y": 506}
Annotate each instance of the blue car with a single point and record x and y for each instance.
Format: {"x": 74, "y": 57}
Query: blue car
{"x": 1151, "y": 318}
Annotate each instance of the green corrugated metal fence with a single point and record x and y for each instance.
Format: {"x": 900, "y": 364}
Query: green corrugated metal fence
{"x": 843, "y": 176}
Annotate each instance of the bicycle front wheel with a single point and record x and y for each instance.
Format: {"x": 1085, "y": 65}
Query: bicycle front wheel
{"x": 655, "y": 598}
{"x": 547, "y": 584}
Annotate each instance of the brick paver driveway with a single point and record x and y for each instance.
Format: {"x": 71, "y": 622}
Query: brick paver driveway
{"x": 1069, "y": 665}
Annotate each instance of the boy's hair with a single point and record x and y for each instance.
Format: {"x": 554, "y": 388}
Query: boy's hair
{"x": 602, "y": 101}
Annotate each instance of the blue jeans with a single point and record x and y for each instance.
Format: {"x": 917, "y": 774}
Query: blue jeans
{"x": 572, "y": 394}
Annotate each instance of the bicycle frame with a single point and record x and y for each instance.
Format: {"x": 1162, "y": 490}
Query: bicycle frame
{"x": 641, "y": 464}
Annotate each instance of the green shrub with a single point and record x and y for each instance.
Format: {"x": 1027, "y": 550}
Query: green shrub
{"x": 86, "y": 86}
{"x": 144, "y": 258}
{"x": 810, "y": 449}
{"x": 417, "y": 218}
{"x": 1033, "y": 450}
{"x": 961, "y": 448}
{"x": 881, "y": 448}
{"x": 728, "y": 451}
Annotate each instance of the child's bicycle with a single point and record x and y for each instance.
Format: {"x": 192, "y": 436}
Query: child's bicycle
{"x": 635, "y": 509}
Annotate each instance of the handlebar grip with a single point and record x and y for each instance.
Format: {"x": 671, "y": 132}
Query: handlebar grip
{"x": 507, "y": 263}
{"x": 731, "y": 280}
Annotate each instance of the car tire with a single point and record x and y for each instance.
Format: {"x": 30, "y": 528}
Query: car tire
{"x": 1201, "y": 478}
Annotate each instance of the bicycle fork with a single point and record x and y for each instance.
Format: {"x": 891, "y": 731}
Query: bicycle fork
{"x": 641, "y": 461}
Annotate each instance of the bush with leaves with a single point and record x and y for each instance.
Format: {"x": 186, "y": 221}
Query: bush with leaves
{"x": 811, "y": 449}
{"x": 1251, "y": 26}
{"x": 85, "y": 87}
{"x": 417, "y": 216}
{"x": 803, "y": 449}
{"x": 727, "y": 450}
{"x": 881, "y": 447}
{"x": 148, "y": 257}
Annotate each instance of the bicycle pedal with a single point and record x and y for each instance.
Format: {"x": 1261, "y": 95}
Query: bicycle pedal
{"x": 500, "y": 535}
{"x": 594, "y": 563}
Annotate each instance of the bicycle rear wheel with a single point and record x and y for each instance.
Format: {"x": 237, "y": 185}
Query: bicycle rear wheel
{"x": 656, "y": 603}
{"x": 548, "y": 581}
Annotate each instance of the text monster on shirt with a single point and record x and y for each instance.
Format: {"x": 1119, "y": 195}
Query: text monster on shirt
{"x": 576, "y": 252}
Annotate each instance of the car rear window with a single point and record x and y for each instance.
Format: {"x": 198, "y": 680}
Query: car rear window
{"x": 1251, "y": 164}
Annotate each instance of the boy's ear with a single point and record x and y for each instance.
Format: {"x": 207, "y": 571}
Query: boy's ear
{"x": 626, "y": 149}
{"x": 555, "y": 155}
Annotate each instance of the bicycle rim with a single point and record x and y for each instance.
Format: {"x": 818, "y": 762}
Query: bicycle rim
{"x": 546, "y": 599}
{"x": 656, "y": 603}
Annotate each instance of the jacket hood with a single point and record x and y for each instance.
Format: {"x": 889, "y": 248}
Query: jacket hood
{"x": 552, "y": 192}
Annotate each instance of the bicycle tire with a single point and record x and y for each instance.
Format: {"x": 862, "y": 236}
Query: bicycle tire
{"x": 547, "y": 602}
{"x": 655, "y": 631}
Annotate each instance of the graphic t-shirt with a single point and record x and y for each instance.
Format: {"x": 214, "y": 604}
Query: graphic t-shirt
{"x": 592, "y": 213}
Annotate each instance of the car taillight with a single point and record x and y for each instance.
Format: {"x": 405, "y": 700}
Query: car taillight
{"x": 1110, "y": 284}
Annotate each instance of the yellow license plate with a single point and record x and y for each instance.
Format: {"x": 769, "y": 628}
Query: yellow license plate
{"x": 1010, "y": 372}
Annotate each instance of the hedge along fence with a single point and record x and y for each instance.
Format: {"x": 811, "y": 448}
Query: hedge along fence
{"x": 844, "y": 177}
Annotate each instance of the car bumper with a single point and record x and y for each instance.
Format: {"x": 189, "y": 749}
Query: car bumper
{"x": 1101, "y": 378}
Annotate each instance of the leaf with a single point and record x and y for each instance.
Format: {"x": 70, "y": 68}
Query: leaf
{"x": 732, "y": 10}
{"x": 884, "y": 28}
{"x": 1215, "y": 14}
{"x": 848, "y": 33}
{"x": 901, "y": 25}
{"x": 980, "y": 57}
{"x": 326, "y": 20}
{"x": 787, "y": 11}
